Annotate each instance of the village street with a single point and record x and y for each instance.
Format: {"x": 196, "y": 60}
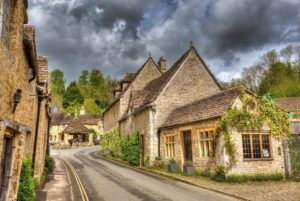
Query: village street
{"x": 104, "y": 180}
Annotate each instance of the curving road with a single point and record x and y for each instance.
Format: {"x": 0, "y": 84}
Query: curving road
{"x": 107, "y": 181}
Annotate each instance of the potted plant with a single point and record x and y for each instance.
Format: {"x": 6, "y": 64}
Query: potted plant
{"x": 188, "y": 167}
{"x": 172, "y": 166}
{"x": 157, "y": 162}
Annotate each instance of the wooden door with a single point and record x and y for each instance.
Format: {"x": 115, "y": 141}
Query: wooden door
{"x": 5, "y": 170}
{"x": 187, "y": 140}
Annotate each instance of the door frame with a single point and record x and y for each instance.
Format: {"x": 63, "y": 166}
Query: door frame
{"x": 183, "y": 145}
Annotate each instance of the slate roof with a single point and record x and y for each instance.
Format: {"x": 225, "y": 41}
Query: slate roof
{"x": 89, "y": 119}
{"x": 156, "y": 86}
{"x": 59, "y": 118}
{"x": 291, "y": 104}
{"x": 128, "y": 77}
{"x": 132, "y": 79}
{"x": 207, "y": 108}
{"x": 76, "y": 127}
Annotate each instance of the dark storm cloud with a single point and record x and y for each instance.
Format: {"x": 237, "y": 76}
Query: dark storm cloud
{"x": 240, "y": 26}
{"x": 118, "y": 35}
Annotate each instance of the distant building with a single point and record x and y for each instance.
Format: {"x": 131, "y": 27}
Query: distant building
{"x": 65, "y": 127}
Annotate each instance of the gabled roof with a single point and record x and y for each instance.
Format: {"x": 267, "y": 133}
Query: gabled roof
{"x": 128, "y": 77}
{"x": 89, "y": 119}
{"x": 76, "y": 127}
{"x": 207, "y": 108}
{"x": 291, "y": 104}
{"x": 156, "y": 86}
{"x": 60, "y": 118}
{"x": 133, "y": 78}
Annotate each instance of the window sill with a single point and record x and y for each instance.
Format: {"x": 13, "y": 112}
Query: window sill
{"x": 258, "y": 159}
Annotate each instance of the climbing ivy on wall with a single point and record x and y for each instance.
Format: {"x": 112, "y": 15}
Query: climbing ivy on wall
{"x": 111, "y": 142}
{"x": 253, "y": 115}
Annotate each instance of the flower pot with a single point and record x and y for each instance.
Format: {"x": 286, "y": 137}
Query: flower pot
{"x": 172, "y": 167}
{"x": 157, "y": 163}
{"x": 188, "y": 169}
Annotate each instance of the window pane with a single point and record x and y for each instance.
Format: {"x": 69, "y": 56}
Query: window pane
{"x": 266, "y": 146}
{"x": 202, "y": 149}
{"x": 256, "y": 146}
{"x": 246, "y": 146}
{"x": 206, "y": 148}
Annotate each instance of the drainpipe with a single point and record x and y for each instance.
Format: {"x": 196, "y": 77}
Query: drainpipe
{"x": 48, "y": 133}
{"x": 40, "y": 99}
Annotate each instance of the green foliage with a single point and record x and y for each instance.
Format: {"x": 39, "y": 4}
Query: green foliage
{"x": 57, "y": 86}
{"x": 72, "y": 99}
{"x": 94, "y": 132}
{"x": 257, "y": 177}
{"x": 294, "y": 154}
{"x": 249, "y": 117}
{"x": 172, "y": 161}
{"x": 219, "y": 174}
{"x": 130, "y": 149}
{"x": 91, "y": 107}
{"x": 49, "y": 164}
{"x": 27, "y": 185}
{"x": 281, "y": 80}
{"x": 111, "y": 142}
{"x": 157, "y": 158}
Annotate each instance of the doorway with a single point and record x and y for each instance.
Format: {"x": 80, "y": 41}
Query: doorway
{"x": 5, "y": 170}
{"x": 187, "y": 141}
{"x": 142, "y": 153}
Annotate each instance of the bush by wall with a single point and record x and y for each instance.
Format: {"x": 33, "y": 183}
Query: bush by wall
{"x": 111, "y": 142}
{"x": 257, "y": 177}
{"x": 130, "y": 149}
{"x": 49, "y": 164}
{"x": 27, "y": 185}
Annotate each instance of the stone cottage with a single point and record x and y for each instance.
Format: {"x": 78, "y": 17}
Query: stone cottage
{"x": 65, "y": 127}
{"x": 22, "y": 91}
{"x": 189, "y": 79}
{"x": 190, "y": 134}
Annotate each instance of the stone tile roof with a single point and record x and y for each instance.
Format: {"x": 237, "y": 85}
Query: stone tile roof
{"x": 128, "y": 77}
{"x": 291, "y": 104}
{"x": 156, "y": 86}
{"x": 207, "y": 108}
{"x": 89, "y": 119}
{"x": 135, "y": 75}
{"x": 76, "y": 127}
{"x": 60, "y": 118}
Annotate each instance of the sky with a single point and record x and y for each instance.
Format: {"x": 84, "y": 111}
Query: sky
{"x": 117, "y": 36}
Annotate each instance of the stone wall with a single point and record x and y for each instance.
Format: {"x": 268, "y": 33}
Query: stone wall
{"x": 111, "y": 116}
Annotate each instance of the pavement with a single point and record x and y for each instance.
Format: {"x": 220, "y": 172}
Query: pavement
{"x": 104, "y": 180}
{"x": 58, "y": 186}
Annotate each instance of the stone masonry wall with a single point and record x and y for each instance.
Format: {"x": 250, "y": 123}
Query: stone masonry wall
{"x": 110, "y": 118}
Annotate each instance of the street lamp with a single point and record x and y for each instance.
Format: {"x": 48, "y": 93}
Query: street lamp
{"x": 16, "y": 99}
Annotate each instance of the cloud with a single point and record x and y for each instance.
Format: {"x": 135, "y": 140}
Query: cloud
{"x": 118, "y": 35}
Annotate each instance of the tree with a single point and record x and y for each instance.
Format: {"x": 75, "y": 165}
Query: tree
{"x": 84, "y": 78}
{"x": 91, "y": 107}
{"x": 72, "y": 99}
{"x": 57, "y": 86}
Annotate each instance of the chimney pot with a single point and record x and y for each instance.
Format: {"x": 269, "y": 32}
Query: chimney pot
{"x": 162, "y": 65}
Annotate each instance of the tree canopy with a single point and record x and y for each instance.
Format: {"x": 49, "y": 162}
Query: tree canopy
{"x": 57, "y": 86}
{"x": 72, "y": 99}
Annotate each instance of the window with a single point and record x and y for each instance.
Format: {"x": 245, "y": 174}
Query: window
{"x": 170, "y": 146}
{"x": 207, "y": 143}
{"x": 256, "y": 146}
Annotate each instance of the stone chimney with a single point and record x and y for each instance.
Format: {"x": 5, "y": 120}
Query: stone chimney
{"x": 162, "y": 65}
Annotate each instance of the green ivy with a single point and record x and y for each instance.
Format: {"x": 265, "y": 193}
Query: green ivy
{"x": 130, "y": 149}
{"x": 111, "y": 142}
{"x": 254, "y": 114}
{"x": 27, "y": 185}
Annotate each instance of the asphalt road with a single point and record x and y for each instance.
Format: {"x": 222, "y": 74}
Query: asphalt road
{"x": 107, "y": 181}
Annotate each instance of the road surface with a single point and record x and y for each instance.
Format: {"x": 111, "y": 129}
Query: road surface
{"x": 107, "y": 181}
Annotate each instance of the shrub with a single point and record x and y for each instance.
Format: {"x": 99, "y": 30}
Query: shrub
{"x": 257, "y": 177}
{"x": 111, "y": 142}
{"x": 130, "y": 149}
{"x": 157, "y": 158}
{"x": 203, "y": 173}
{"x": 219, "y": 173}
{"x": 172, "y": 161}
{"x": 27, "y": 185}
{"x": 49, "y": 163}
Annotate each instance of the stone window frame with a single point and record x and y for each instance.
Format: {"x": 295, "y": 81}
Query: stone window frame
{"x": 257, "y": 152}
{"x": 206, "y": 143}
{"x": 170, "y": 145}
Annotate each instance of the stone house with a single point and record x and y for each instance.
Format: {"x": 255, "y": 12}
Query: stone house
{"x": 189, "y": 134}
{"x": 65, "y": 127}
{"x": 131, "y": 82}
{"x": 189, "y": 79}
{"x": 24, "y": 98}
